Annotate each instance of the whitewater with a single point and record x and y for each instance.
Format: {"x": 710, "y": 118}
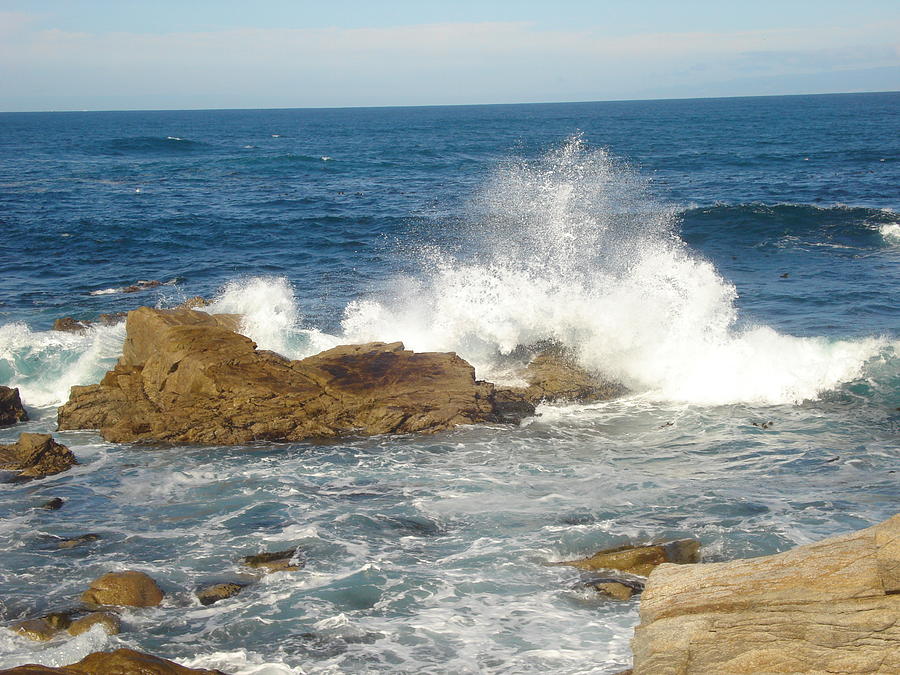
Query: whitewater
{"x": 722, "y": 279}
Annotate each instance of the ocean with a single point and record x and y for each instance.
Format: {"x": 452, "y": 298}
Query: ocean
{"x": 733, "y": 262}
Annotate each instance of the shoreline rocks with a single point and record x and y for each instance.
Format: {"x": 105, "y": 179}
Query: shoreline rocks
{"x": 188, "y": 377}
{"x": 11, "y": 409}
{"x": 639, "y": 560}
{"x": 118, "y": 662}
{"x": 36, "y": 456}
{"x": 834, "y": 603}
{"x": 129, "y": 589}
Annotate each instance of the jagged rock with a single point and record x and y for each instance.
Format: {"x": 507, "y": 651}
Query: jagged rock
{"x": 35, "y": 456}
{"x": 640, "y": 560}
{"x": 11, "y": 410}
{"x": 187, "y": 377}
{"x": 832, "y": 606}
{"x": 194, "y": 303}
{"x": 132, "y": 589}
{"x": 69, "y": 325}
{"x": 112, "y": 318}
{"x": 110, "y": 622}
{"x": 78, "y": 541}
{"x": 141, "y": 286}
{"x": 210, "y": 594}
{"x": 119, "y": 662}
{"x": 279, "y": 561}
{"x": 553, "y": 374}
{"x": 618, "y": 588}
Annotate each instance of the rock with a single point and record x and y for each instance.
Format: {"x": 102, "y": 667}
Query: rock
{"x": 832, "y": 606}
{"x": 618, "y": 588}
{"x": 194, "y": 303}
{"x": 552, "y": 374}
{"x": 640, "y": 560}
{"x": 35, "y": 456}
{"x": 187, "y": 377}
{"x": 110, "y": 622}
{"x": 132, "y": 589}
{"x": 69, "y": 325}
{"x": 119, "y": 662}
{"x": 112, "y": 318}
{"x": 141, "y": 286}
{"x": 38, "y": 630}
{"x": 210, "y": 594}
{"x": 78, "y": 541}
{"x": 11, "y": 410}
{"x": 53, "y": 504}
{"x": 279, "y": 561}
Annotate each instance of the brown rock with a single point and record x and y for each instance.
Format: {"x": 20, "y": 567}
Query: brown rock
{"x": 553, "y": 374}
{"x": 53, "y": 504}
{"x": 119, "y": 662}
{"x": 133, "y": 589}
{"x": 39, "y": 630}
{"x": 187, "y": 377}
{"x": 110, "y": 622}
{"x": 194, "y": 303}
{"x": 216, "y": 592}
{"x": 829, "y": 607}
{"x": 112, "y": 318}
{"x": 640, "y": 560}
{"x": 11, "y": 410}
{"x": 279, "y": 561}
{"x": 35, "y": 456}
{"x": 614, "y": 589}
{"x": 69, "y": 325}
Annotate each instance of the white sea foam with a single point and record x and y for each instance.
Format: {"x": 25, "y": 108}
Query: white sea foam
{"x": 890, "y": 232}
{"x": 572, "y": 248}
{"x": 44, "y": 365}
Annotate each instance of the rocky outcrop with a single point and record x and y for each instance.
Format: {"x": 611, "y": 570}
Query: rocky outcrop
{"x": 553, "y": 374}
{"x": 109, "y": 621}
{"x": 11, "y": 410}
{"x": 277, "y": 561}
{"x": 119, "y": 662}
{"x": 212, "y": 594}
{"x": 828, "y": 607}
{"x": 188, "y": 377}
{"x": 132, "y": 589}
{"x": 640, "y": 560}
{"x": 35, "y": 456}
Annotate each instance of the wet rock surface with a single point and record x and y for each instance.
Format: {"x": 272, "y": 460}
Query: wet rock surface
{"x": 119, "y": 662}
{"x": 832, "y": 606}
{"x": 36, "y": 456}
{"x": 11, "y": 410}
{"x": 640, "y": 560}
{"x": 209, "y": 595}
{"x": 188, "y": 377}
{"x": 130, "y": 588}
{"x": 278, "y": 561}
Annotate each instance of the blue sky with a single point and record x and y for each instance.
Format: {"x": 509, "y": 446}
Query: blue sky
{"x": 103, "y": 54}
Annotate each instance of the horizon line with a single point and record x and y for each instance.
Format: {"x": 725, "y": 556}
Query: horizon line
{"x": 449, "y": 105}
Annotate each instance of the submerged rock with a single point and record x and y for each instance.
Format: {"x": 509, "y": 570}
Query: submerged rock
{"x": 11, "y": 410}
{"x": 830, "y": 606}
{"x": 617, "y": 587}
{"x": 132, "y": 589}
{"x": 188, "y": 377}
{"x": 69, "y": 325}
{"x": 78, "y": 541}
{"x": 279, "y": 561}
{"x": 38, "y": 630}
{"x": 53, "y": 504}
{"x": 36, "y": 456}
{"x": 119, "y": 662}
{"x": 640, "y": 560}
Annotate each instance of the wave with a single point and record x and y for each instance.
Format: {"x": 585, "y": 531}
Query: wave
{"x": 151, "y": 145}
{"x": 571, "y": 247}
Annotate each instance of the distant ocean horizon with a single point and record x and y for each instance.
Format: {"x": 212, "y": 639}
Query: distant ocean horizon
{"x": 731, "y": 261}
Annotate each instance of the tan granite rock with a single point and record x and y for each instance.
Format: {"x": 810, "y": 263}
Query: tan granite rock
{"x": 110, "y": 622}
{"x": 187, "y": 377}
{"x": 554, "y": 375}
{"x": 133, "y": 589}
{"x": 827, "y": 607}
{"x": 119, "y": 662}
{"x": 640, "y": 560}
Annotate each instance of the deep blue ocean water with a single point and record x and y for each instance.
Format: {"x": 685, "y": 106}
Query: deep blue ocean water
{"x": 732, "y": 261}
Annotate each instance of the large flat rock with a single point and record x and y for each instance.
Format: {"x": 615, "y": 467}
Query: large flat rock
{"x": 828, "y": 607}
{"x": 188, "y": 377}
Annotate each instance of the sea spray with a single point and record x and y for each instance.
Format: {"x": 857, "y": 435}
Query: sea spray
{"x": 573, "y": 248}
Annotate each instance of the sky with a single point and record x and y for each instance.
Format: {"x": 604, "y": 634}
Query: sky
{"x": 188, "y": 54}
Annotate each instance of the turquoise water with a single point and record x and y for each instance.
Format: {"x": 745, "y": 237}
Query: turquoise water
{"x": 653, "y": 238}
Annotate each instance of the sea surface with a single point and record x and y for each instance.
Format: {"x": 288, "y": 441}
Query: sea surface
{"x": 733, "y": 262}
